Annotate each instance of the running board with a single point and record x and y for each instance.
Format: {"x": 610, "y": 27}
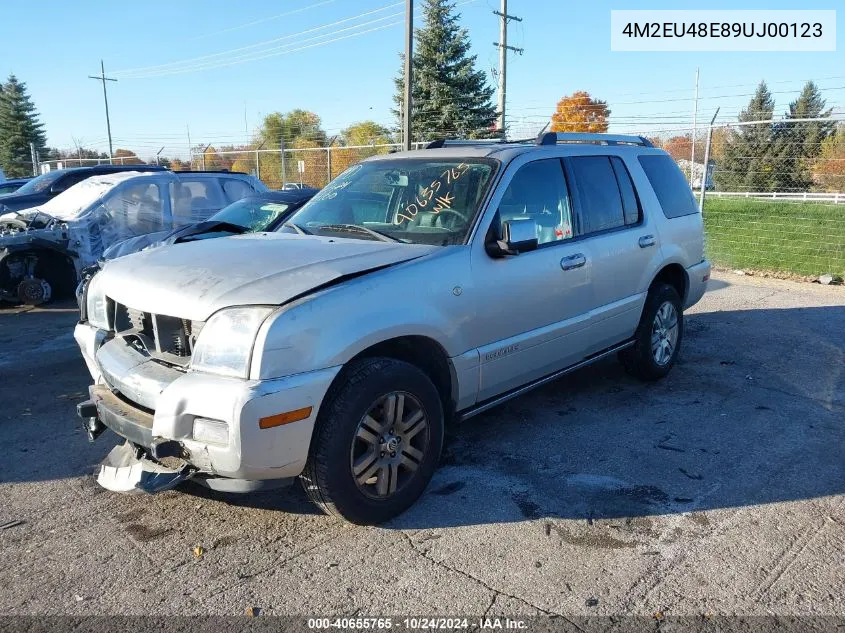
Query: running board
{"x": 497, "y": 400}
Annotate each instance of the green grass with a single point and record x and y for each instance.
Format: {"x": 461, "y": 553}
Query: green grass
{"x": 803, "y": 238}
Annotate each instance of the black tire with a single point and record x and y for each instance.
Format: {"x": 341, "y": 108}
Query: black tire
{"x": 639, "y": 360}
{"x": 328, "y": 478}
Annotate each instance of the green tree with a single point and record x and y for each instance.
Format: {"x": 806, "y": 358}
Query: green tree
{"x": 797, "y": 145}
{"x": 749, "y": 162}
{"x": 19, "y": 126}
{"x": 450, "y": 97}
{"x": 296, "y": 125}
{"x": 366, "y": 133}
{"x": 298, "y": 129}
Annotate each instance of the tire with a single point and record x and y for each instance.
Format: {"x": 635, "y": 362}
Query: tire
{"x": 641, "y": 360}
{"x": 353, "y": 435}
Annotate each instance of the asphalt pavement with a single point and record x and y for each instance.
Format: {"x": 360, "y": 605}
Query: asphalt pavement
{"x": 720, "y": 490}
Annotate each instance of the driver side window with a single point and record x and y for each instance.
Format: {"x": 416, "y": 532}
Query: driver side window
{"x": 538, "y": 191}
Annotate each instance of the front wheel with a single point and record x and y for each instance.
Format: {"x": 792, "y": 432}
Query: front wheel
{"x": 376, "y": 443}
{"x": 657, "y": 340}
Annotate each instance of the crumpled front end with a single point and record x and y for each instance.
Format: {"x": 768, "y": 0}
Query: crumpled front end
{"x": 226, "y": 432}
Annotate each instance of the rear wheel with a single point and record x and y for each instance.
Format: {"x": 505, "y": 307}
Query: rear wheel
{"x": 376, "y": 443}
{"x": 657, "y": 340}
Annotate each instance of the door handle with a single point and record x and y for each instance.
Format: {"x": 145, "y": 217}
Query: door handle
{"x": 647, "y": 240}
{"x": 573, "y": 261}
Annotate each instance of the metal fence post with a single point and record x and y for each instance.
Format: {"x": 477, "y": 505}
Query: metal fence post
{"x": 257, "y": 166}
{"x": 284, "y": 170}
{"x": 329, "y": 164}
{"x": 706, "y": 162}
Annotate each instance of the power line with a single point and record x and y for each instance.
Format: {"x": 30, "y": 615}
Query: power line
{"x": 145, "y": 69}
{"x": 263, "y": 20}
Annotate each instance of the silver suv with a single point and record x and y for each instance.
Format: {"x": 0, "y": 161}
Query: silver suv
{"x": 416, "y": 290}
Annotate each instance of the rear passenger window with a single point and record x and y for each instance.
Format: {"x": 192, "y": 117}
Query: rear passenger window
{"x": 630, "y": 205}
{"x": 538, "y": 191}
{"x": 195, "y": 199}
{"x": 598, "y": 194}
{"x": 669, "y": 184}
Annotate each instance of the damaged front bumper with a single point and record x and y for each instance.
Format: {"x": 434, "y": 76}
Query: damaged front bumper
{"x": 157, "y": 409}
{"x": 126, "y": 469}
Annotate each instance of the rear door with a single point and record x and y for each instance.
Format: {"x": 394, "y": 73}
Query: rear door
{"x": 623, "y": 242}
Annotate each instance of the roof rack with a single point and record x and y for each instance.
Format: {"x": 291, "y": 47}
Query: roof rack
{"x": 442, "y": 142}
{"x": 553, "y": 138}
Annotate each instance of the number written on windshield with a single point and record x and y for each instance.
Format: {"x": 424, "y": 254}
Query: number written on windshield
{"x": 429, "y": 195}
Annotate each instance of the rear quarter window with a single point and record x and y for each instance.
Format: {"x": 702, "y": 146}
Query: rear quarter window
{"x": 669, "y": 184}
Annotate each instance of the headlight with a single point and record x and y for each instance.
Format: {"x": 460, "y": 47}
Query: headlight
{"x": 224, "y": 345}
{"x": 95, "y": 304}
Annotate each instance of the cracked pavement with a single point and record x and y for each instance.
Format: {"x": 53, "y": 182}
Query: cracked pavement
{"x": 718, "y": 490}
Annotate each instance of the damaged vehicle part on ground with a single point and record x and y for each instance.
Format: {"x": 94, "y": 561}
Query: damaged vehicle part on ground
{"x": 415, "y": 289}
{"x": 43, "y": 250}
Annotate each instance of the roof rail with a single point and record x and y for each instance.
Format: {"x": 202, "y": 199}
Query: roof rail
{"x": 553, "y": 138}
{"x": 208, "y": 171}
{"x": 442, "y": 142}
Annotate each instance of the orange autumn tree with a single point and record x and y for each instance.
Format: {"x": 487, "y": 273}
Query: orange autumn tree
{"x": 579, "y": 112}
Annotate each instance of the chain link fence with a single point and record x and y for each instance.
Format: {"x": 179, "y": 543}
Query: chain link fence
{"x": 773, "y": 192}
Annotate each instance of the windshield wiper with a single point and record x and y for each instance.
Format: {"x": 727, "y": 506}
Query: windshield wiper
{"x": 357, "y": 228}
{"x": 297, "y": 228}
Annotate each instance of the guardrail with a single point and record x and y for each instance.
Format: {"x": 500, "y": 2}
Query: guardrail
{"x": 835, "y": 198}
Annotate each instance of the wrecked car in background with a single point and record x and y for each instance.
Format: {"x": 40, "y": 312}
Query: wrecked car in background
{"x": 48, "y": 185}
{"x": 261, "y": 212}
{"x": 44, "y": 249}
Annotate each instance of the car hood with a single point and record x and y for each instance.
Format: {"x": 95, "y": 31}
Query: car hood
{"x": 194, "y": 280}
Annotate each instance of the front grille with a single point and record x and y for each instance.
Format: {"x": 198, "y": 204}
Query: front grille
{"x": 165, "y": 337}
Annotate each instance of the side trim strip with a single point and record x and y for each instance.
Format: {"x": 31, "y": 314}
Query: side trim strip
{"x": 489, "y": 404}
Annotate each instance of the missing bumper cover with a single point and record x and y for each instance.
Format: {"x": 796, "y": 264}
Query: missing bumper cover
{"x": 125, "y": 469}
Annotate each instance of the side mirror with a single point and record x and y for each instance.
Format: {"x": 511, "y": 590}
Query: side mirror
{"x": 518, "y": 236}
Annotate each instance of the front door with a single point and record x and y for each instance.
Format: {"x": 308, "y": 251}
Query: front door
{"x": 533, "y": 308}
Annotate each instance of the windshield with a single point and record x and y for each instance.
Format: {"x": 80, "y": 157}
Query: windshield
{"x": 253, "y": 215}
{"x": 409, "y": 200}
{"x": 41, "y": 183}
{"x": 70, "y": 203}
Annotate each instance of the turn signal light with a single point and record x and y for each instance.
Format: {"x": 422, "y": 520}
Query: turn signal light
{"x": 284, "y": 418}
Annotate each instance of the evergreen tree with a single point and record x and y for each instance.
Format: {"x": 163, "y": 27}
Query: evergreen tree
{"x": 750, "y": 162}
{"x": 450, "y": 97}
{"x": 799, "y": 144}
{"x": 19, "y": 126}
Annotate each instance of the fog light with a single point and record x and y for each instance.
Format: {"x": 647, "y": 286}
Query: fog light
{"x": 211, "y": 431}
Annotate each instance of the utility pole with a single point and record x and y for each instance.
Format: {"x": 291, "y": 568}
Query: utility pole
{"x": 34, "y": 154}
{"x": 409, "y": 53}
{"x": 104, "y": 79}
{"x": 502, "y": 44}
{"x": 694, "y": 131}
{"x": 158, "y": 153}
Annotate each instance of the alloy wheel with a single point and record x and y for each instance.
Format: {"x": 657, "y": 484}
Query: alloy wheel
{"x": 664, "y": 333}
{"x": 389, "y": 445}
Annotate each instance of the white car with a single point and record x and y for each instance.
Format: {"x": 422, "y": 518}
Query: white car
{"x": 417, "y": 289}
{"x": 44, "y": 249}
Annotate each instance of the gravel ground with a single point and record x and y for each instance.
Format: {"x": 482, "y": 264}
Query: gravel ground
{"x": 718, "y": 490}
